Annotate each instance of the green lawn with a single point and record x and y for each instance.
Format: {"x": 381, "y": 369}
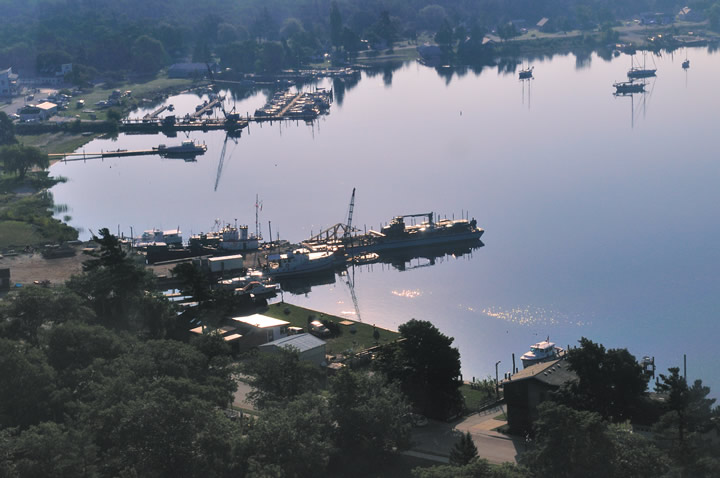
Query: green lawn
{"x": 56, "y": 142}
{"x": 474, "y": 398}
{"x": 139, "y": 90}
{"x": 16, "y": 234}
{"x": 346, "y": 341}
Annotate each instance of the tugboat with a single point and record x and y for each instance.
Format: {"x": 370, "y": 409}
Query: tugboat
{"x": 541, "y": 352}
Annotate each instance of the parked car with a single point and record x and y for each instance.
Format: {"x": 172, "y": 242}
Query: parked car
{"x": 317, "y": 328}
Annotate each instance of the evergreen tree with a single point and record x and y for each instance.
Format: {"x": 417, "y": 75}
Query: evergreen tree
{"x": 464, "y": 451}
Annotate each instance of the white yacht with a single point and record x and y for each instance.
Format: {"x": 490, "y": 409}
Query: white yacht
{"x": 541, "y": 352}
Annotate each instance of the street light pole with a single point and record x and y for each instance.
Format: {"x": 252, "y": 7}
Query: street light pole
{"x": 497, "y": 384}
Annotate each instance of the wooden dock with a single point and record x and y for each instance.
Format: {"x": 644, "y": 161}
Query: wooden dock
{"x": 155, "y": 113}
{"x": 207, "y": 108}
{"x": 102, "y": 154}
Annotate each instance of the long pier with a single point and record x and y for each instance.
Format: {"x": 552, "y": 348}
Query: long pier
{"x": 102, "y": 154}
{"x": 207, "y": 108}
{"x": 155, "y": 113}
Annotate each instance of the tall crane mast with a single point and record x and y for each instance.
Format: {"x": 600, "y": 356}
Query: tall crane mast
{"x": 348, "y": 229}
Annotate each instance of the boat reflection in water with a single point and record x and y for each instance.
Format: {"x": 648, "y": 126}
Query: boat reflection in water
{"x": 401, "y": 259}
{"x": 303, "y": 285}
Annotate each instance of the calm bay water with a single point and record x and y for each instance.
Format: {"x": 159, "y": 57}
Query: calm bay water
{"x": 600, "y": 212}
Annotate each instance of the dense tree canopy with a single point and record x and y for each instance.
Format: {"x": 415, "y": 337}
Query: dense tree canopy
{"x": 21, "y": 159}
{"x": 610, "y": 382}
{"x": 427, "y": 367}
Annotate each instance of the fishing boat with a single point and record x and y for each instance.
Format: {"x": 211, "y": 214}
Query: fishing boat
{"x": 298, "y": 263}
{"x": 527, "y": 73}
{"x": 172, "y": 237}
{"x": 187, "y": 148}
{"x": 541, "y": 352}
{"x": 628, "y": 87}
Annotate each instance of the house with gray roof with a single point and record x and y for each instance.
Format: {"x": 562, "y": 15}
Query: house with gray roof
{"x": 527, "y": 389}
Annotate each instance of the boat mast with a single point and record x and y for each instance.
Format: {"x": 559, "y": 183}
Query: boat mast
{"x": 257, "y": 223}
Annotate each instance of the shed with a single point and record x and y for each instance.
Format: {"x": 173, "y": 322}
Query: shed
{"x": 309, "y": 347}
{"x": 527, "y": 389}
{"x": 47, "y": 110}
{"x": 225, "y": 263}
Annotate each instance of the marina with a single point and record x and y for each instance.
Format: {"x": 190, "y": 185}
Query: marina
{"x": 582, "y": 236}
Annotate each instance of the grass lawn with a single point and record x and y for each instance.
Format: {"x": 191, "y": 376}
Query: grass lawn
{"x": 474, "y": 397}
{"x": 56, "y": 142}
{"x": 139, "y": 90}
{"x": 346, "y": 341}
{"x": 14, "y": 234}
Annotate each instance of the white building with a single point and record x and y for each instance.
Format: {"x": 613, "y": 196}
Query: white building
{"x": 258, "y": 329}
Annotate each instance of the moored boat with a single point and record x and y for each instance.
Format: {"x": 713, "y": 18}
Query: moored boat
{"x": 298, "y": 262}
{"x": 628, "y": 87}
{"x": 187, "y": 148}
{"x": 541, "y": 352}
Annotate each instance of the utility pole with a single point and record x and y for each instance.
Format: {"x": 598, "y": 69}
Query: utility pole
{"x": 497, "y": 383}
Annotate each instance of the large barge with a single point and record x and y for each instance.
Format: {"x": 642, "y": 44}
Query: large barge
{"x": 399, "y": 235}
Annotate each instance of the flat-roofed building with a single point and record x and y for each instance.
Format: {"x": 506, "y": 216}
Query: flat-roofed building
{"x": 258, "y": 329}
{"x": 309, "y": 347}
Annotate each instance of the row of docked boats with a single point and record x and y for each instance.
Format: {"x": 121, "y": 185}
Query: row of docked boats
{"x": 296, "y": 105}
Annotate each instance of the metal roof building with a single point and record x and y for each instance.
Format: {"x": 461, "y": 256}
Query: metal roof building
{"x": 309, "y": 347}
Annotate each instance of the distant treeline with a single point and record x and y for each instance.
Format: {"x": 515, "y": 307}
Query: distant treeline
{"x": 137, "y": 36}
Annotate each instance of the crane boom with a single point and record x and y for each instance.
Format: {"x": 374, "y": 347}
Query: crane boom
{"x": 348, "y": 229}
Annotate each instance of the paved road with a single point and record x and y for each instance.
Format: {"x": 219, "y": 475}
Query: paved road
{"x": 437, "y": 439}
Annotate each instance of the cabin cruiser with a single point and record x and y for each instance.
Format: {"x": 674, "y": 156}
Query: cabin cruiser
{"x": 541, "y": 352}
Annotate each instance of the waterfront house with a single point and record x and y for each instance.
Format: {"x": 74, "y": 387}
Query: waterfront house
{"x": 527, "y": 389}
{"x": 309, "y": 347}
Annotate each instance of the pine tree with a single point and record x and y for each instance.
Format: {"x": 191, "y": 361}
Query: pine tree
{"x": 464, "y": 451}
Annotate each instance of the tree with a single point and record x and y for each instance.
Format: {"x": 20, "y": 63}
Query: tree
{"x": 336, "y": 27}
{"x": 477, "y": 468}
{"x": 507, "y": 31}
{"x": 148, "y": 55}
{"x": 115, "y": 287}
{"x": 280, "y": 377}
{"x": 464, "y": 451}
{"x": 52, "y": 450}
{"x": 714, "y": 16}
{"x": 20, "y": 158}
{"x": 688, "y": 412}
{"x": 7, "y": 130}
{"x": 25, "y": 313}
{"x": 291, "y": 440}
{"x": 444, "y": 36}
{"x": 372, "y": 415}
{"x": 569, "y": 443}
{"x": 28, "y": 385}
{"x": 271, "y": 57}
{"x": 427, "y": 367}
{"x": 610, "y": 382}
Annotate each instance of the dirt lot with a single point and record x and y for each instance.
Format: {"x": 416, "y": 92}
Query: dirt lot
{"x": 27, "y": 268}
